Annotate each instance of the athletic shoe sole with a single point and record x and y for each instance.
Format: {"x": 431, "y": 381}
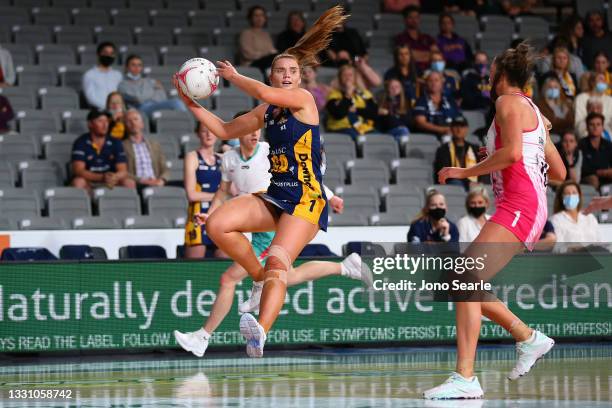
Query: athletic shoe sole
{"x": 249, "y": 328}
{"x": 550, "y": 346}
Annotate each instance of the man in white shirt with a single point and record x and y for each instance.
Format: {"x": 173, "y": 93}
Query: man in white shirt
{"x": 102, "y": 79}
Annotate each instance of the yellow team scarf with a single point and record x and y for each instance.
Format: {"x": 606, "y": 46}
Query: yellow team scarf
{"x": 118, "y": 130}
{"x": 470, "y": 159}
{"x": 609, "y": 82}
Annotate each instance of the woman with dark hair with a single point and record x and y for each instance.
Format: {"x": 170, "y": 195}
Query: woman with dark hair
{"x": 294, "y": 30}
{"x": 404, "y": 69}
{"x": 571, "y": 156}
{"x": 570, "y": 224}
{"x": 256, "y": 45}
{"x": 555, "y": 106}
{"x": 295, "y": 204}
{"x": 572, "y": 31}
{"x": 601, "y": 65}
{"x": 394, "y": 110}
{"x": 520, "y": 158}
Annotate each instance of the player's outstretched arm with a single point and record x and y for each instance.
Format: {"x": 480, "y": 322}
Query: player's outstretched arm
{"x": 296, "y": 98}
{"x": 238, "y": 127}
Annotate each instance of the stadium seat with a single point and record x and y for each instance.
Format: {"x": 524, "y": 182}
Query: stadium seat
{"x": 334, "y": 175}
{"x": 146, "y": 222}
{"x": 175, "y": 167}
{"x": 412, "y": 171}
{"x": 76, "y": 252}
{"x": 31, "y": 34}
{"x": 175, "y": 55}
{"x": 117, "y": 35}
{"x": 118, "y": 202}
{"x": 40, "y": 174}
{"x": 147, "y": 53}
{"x": 233, "y": 99}
{"x": 146, "y": 4}
{"x": 70, "y": 4}
{"x": 169, "y": 202}
{"x": 185, "y": 4}
{"x": 142, "y": 252}
{"x": 393, "y": 218}
{"x": 357, "y": 198}
{"x": 23, "y": 54}
{"x": 476, "y": 120}
{"x": 169, "y": 145}
{"x": 400, "y": 198}
{"x": 20, "y": 97}
{"x": 467, "y": 27}
{"x": 167, "y": 121}
{"x": 36, "y": 75}
{"x": 284, "y": 7}
{"x": 42, "y": 223}
{"x": 58, "y": 98}
{"x": 50, "y": 16}
{"x": 368, "y": 172}
{"x": 10, "y": 16}
{"x": 99, "y": 222}
{"x": 390, "y": 23}
{"x": 320, "y": 6}
{"x": 348, "y": 218}
{"x": 532, "y": 27}
{"x": 7, "y": 175}
{"x": 338, "y": 147}
{"x": 75, "y": 121}
{"x": 588, "y": 192}
{"x": 99, "y": 253}
{"x": 117, "y": 4}
{"x": 168, "y": 18}
{"x": 363, "y": 248}
{"x": 55, "y": 54}
{"x": 129, "y": 17}
{"x": 162, "y": 74}
{"x": 316, "y": 250}
{"x": 67, "y": 202}
{"x": 73, "y": 35}
{"x": 38, "y": 122}
{"x": 153, "y": 35}
{"x": 71, "y": 76}
{"x": 7, "y": 224}
{"x": 492, "y": 45}
{"x": 584, "y": 6}
{"x": 227, "y": 37}
{"x": 18, "y": 203}
{"x": 193, "y": 36}
{"x": 379, "y": 147}
{"x": 85, "y": 17}
{"x": 425, "y": 151}
{"x": 326, "y": 74}
{"x": 18, "y": 147}
{"x": 27, "y": 254}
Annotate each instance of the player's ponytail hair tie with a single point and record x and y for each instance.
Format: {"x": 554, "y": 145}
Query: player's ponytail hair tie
{"x": 316, "y": 39}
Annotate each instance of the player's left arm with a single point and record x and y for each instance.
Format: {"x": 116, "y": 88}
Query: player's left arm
{"x": 296, "y": 98}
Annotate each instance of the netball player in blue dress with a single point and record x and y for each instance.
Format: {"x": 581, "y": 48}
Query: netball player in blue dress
{"x": 294, "y": 205}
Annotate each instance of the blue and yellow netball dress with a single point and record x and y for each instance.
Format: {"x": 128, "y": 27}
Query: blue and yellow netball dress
{"x": 208, "y": 179}
{"x": 295, "y": 163}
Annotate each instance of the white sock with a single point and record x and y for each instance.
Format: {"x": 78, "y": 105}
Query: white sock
{"x": 203, "y": 333}
{"x": 531, "y": 338}
{"x": 258, "y": 283}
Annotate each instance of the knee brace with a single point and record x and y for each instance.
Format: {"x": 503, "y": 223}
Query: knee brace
{"x": 273, "y": 270}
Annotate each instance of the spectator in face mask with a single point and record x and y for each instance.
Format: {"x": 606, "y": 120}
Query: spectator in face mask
{"x": 431, "y": 224}
{"x": 145, "y": 94}
{"x": 452, "y": 80}
{"x": 555, "y": 106}
{"x": 597, "y": 92}
{"x": 476, "y": 205}
{"x": 475, "y": 86}
{"x": 570, "y": 224}
{"x": 102, "y": 79}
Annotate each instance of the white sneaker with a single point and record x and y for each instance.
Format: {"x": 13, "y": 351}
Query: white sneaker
{"x": 254, "y": 335}
{"x": 251, "y": 305}
{"x": 456, "y": 387}
{"x": 353, "y": 268}
{"x": 192, "y": 341}
{"x": 529, "y": 352}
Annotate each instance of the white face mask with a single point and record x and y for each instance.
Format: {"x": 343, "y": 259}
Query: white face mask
{"x": 133, "y": 76}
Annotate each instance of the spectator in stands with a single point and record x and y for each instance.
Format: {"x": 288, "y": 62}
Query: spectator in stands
{"x": 430, "y": 225}
{"x": 434, "y": 112}
{"x": 457, "y": 153}
{"x": 318, "y": 90}
{"x": 476, "y": 205}
{"x": 597, "y": 153}
{"x": 6, "y": 114}
{"x": 572, "y": 31}
{"x": 422, "y": 45}
{"x": 457, "y": 52}
{"x": 394, "y": 110}
{"x": 349, "y": 41}
{"x": 597, "y": 93}
{"x": 146, "y": 162}
{"x": 555, "y": 106}
{"x": 517, "y": 7}
{"x": 294, "y": 30}
{"x": 367, "y": 77}
{"x": 571, "y": 156}
{"x": 102, "y": 79}
{"x": 351, "y": 109}
{"x": 202, "y": 179}
{"x": 601, "y": 66}
{"x": 405, "y": 70}
{"x": 570, "y": 224}
{"x": 475, "y": 87}
{"x": 7, "y": 69}
{"x": 145, "y": 94}
{"x": 452, "y": 80}
{"x": 560, "y": 68}
{"x": 256, "y": 45}
{"x": 115, "y": 106}
{"x": 597, "y": 39}
{"x": 544, "y": 64}
{"x": 97, "y": 159}
{"x": 397, "y": 6}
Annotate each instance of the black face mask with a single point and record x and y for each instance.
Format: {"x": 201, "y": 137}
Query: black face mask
{"x": 106, "y": 60}
{"x": 342, "y": 62}
{"x": 476, "y": 211}
{"x": 437, "y": 213}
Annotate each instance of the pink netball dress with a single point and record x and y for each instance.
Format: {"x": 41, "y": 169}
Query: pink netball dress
{"x": 520, "y": 189}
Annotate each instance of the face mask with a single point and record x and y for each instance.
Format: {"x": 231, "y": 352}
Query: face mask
{"x": 476, "y": 211}
{"x": 482, "y": 69}
{"x": 437, "y": 213}
{"x": 570, "y": 202}
{"x": 342, "y": 62}
{"x": 438, "y": 66}
{"x": 133, "y": 76}
{"x": 601, "y": 87}
{"x": 553, "y": 93}
{"x": 114, "y": 111}
{"x": 233, "y": 142}
{"x": 106, "y": 60}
